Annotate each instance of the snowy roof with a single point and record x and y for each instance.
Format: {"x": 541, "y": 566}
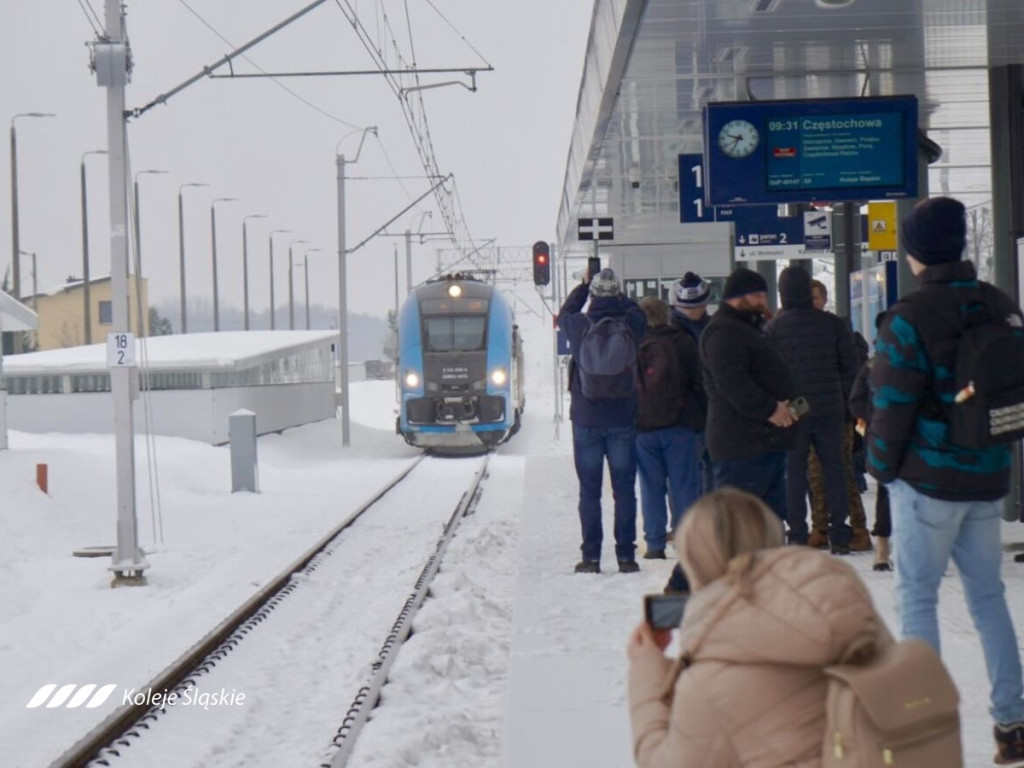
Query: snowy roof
{"x": 228, "y": 350}
{"x": 71, "y": 284}
{"x": 15, "y": 316}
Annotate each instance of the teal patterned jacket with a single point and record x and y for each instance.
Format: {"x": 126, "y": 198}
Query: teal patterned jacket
{"x": 912, "y": 385}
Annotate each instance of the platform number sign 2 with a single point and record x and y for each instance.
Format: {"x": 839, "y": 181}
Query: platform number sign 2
{"x": 691, "y": 190}
{"x": 120, "y": 350}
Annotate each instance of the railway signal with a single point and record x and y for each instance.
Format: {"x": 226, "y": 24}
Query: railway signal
{"x": 541, "y": 263}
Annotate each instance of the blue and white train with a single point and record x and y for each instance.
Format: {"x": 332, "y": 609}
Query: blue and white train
{"x": 460, "y": 367}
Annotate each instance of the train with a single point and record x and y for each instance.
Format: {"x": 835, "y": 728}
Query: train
{"x": 460, "y": 367}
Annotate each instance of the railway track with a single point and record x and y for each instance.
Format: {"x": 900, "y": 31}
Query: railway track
{"x": 123, "y": 736}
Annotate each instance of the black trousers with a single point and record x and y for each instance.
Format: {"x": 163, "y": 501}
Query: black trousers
{"x": 827, "y": 440}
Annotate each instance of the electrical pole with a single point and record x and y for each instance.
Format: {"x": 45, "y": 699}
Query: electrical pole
{"x": 343, "y": 286}
{"x": 112, "y": 64}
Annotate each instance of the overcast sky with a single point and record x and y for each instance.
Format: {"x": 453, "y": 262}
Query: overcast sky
{"x": 506, "y": 144}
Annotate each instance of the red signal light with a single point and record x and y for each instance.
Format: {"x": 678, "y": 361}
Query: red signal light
{"x": 542, "y": 259}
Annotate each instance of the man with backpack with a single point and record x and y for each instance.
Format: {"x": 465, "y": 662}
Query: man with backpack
{"x": 603, "y": 342}
{"x": 935, "y": 440}
{"x": 670, "y": 410}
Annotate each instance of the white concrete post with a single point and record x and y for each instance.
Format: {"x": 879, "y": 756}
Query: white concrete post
{"x": 242, "y": 434}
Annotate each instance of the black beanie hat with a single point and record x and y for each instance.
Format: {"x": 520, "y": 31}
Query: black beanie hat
{"x": 743, "y": 281}
{"x": 935, "y": 231}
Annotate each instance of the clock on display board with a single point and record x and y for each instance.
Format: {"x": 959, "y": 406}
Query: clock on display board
{"x": 738, "y": 138}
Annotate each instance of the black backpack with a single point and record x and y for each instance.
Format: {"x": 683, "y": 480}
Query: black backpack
{"x": 662, "y": 382}
{"x": 607, "y": 360}
{"x": 988, "y": 405}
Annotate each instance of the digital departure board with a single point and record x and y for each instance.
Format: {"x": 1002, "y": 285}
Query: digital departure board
{"x": 802, "y": 151}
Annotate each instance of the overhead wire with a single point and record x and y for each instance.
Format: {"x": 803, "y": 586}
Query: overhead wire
{"x": 462, "y": 37}
{"x": 152, "y": 460}
{"x": 84, "y": 5}
{"x": 415, "y": 113}
{"x": 273, "y": 79}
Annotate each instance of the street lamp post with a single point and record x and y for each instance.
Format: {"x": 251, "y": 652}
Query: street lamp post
{"x": 245, "y": 264}
{"x": 408, "y": 250}
{"x": 181, "y": 251}
{"x": 138, "y": 231}
{"x": 138, "y": 250}
{"x": 291, "y": 285}
{"x": 340, "y": 162}
{"x": 273, "y": 323}
{"x": 305, "y": 269}
{"x": 35, "y": 286}
{"x": 86, "y": 287}
{"x": 15, "y": 224}
{"x": 213, "y": 242}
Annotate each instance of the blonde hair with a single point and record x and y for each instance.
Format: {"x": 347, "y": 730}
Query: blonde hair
{"x": 721, "y": 527}
{"x": 821, "y": 287}
{"x": 655, "y": 309}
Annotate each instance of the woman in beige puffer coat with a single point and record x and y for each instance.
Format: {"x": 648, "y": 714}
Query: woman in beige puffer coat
{"x": 747, "y": 690}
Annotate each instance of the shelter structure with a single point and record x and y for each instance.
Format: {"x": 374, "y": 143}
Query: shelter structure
{"x": 652, "y": 66}
{"x": 194, "y": 382}
{"x": 14, "y": 317}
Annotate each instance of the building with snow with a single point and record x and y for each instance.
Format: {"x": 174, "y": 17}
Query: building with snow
{"x": 70, "y": 315}
{"x": 192, "y": 382}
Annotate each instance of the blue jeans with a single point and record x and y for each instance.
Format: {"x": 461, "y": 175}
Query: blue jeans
{"x": 926, "y": 532}
{"x": 764, "y": 476}
{"x": 669, "y": 463}
{"x": 591, "y": 446}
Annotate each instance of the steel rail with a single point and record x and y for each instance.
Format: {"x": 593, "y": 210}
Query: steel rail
{"x": 203, "y": 656}
{"x": 369, "y": 695}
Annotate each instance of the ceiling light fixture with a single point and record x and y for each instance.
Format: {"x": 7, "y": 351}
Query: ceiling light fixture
{"x": 764, "y": 6}
{"x": 831, "y": 5}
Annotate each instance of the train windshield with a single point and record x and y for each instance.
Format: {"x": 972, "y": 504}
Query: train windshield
{"x": 452, "y": 333}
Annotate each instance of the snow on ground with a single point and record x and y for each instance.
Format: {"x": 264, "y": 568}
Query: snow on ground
{"x": 515, "y": 662}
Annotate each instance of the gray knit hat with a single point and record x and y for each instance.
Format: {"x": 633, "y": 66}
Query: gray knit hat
{"x": 604, "y": 283}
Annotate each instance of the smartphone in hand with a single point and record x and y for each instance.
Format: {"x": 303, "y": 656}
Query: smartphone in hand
{"x": 665, "y": 611}
{"x": 593, "y": 267}
{"x": 799, "y": 407}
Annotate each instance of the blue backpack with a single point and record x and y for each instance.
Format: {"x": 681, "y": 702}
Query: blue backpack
{"x": 607, "y": 360}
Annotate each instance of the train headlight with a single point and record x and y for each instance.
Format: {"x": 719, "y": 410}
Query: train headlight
{"x": 455, "y": 291}
{"x": 412, "y": 380}
{"x": 499, "y": 377}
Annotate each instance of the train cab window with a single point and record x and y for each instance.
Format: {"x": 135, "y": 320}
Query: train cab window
{"x": 451, "y": 333}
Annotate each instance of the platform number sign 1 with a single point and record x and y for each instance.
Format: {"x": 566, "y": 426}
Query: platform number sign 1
{"x": 120, "y": 350}
{"x": 691, "y": 190}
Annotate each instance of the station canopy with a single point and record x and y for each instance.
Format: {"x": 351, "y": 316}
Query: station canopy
{"x": 652, "y": 65}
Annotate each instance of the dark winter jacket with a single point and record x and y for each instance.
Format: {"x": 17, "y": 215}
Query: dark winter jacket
{"x": 745, "y": 377}
{"x": 693, "y": 327}
{"x": 913, "y": 385}
{"x": 818, "y": 348}
{"x": 572, "y": 320}
{"x": 860, "y": 395}
{"x": 694, "y": 400}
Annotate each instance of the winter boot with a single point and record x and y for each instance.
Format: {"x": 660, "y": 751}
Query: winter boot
{"x": 861, "y": 540}
{"x": 1009, "y": 744}
{"x": 588, "y": 566}
{"x": 882, "y": 562}
{"x": 818, "y": 540}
